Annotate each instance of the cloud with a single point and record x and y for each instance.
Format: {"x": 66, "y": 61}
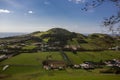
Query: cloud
{"x": 5, "y": 11}
{"x": 77, "y": 1}
{"x": 30, "y": 12}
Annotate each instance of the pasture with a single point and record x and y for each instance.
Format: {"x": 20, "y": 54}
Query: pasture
{"x": 28, "y": 66}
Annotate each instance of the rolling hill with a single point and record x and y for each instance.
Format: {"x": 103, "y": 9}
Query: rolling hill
{"x": 95, "y": 41}
{"x": 58, "y": 37}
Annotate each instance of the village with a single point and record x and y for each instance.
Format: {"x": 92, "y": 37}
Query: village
{"x": 14, "y": 47}
{"x": 11, "y": 49}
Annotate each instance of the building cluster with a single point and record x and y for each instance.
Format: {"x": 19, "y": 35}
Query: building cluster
{"x": 56, "y": 64}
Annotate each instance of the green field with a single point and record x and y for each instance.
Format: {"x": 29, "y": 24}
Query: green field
{"x": 93, "y": 56}
{"x": 27, "y": 66}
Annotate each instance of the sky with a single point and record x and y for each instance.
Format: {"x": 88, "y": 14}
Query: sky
{"x": 41, "y": 15}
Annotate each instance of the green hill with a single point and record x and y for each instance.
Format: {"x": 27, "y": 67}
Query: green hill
{"x": 95, "y": 41}
{"x": 58, "y": 37}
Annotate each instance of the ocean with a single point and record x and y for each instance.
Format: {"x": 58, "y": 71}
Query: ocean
{"x": 10, "y": 34}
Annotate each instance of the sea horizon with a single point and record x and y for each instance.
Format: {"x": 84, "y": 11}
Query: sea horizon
{"x": 11, "y": 34}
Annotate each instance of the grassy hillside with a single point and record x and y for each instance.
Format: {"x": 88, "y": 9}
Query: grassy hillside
{"x": 58, "y": 37}
{"x": 28, "y": 66}
{"x": 93, "y": 56}
{"x": 95, "y": 41}
{"x": 36, "y": 58}
{"x": 32, "y": 58}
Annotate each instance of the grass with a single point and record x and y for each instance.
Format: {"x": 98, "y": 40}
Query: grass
{"x": 32, "y": 58}
{"x": 69, "y": 74}
{"x": 93, "y": 56}
{"x": 89, "y": 46}
{"x": 29, "y": 47}
{"x": 36, "y": 72}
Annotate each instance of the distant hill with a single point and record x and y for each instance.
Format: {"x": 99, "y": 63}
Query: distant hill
{"x": 95, "y": 41}
{"x": 59, "y": 37}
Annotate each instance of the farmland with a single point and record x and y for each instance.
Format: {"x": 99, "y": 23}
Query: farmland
{"x": 28, "y": 66}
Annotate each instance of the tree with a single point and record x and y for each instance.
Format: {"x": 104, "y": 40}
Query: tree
{"x": 112, "y": 22}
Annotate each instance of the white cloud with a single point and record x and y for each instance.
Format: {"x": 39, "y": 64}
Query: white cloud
{"x": 30, "y": 12}
{"x": 5, "y": 11}
{"x": 78, "y": 1}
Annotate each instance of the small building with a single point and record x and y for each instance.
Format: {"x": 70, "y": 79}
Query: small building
{"x": 113, "y": 62}
{"x": 76, "y": 66}
{"x": 54, "y": 64}
{"x": 87, "y": 65}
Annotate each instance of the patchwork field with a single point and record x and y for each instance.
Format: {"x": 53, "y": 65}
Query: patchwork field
{"x": 28, "y": 66}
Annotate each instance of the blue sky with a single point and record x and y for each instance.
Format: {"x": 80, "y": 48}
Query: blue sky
{"x": 41, "y": 15}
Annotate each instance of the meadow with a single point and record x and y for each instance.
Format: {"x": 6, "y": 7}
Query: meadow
{"x": 28, "y": 66}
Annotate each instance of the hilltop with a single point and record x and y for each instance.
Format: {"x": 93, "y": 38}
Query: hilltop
{"x": 63, "y": 37}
